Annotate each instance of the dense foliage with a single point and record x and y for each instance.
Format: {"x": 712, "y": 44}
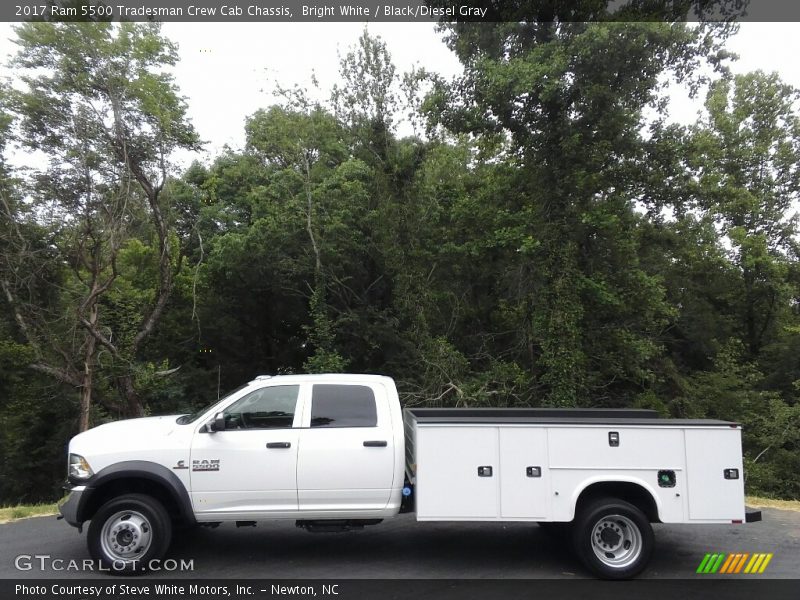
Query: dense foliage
{"x": 546, "y": 238}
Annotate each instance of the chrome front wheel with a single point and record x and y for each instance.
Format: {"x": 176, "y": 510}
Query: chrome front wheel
{"x": 128, "y": 533}
{"x": 126, "y": 536}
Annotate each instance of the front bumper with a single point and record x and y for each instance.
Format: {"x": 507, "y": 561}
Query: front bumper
{"x": 70, "y": 505}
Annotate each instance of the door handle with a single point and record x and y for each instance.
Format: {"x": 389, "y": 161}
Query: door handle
{"x": 278, "y": 445}
{"x": 376, "y": 443}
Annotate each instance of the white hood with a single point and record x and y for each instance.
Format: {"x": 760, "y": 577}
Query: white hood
{"x": 128, "y": 434}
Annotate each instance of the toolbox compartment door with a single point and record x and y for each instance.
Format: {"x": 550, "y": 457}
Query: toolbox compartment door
{"x": 524, "y": 474}
{"x": 713, "y": 494}
{"x": 457, "y": 473}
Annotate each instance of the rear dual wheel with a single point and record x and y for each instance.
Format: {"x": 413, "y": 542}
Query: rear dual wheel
{"x": 613, "y": 539}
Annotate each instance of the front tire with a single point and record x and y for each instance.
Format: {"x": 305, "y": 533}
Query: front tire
{"x": 128, "y": 532}
{"x": 613, "y": 539}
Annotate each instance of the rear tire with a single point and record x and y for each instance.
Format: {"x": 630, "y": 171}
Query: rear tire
{"x": 128, "y": 532}
{"x": 613, "y": 539}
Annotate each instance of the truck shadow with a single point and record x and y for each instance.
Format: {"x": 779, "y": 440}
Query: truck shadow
{"x": 393, "y": 549}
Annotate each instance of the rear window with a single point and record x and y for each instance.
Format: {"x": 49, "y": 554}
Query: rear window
{"x": 343, "y": 406}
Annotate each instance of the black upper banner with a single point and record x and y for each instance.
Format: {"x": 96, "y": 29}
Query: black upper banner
{"x": 400, "y": 10}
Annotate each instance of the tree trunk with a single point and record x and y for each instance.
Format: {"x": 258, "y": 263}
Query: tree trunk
{"x": 88, "y": 372}
{"x": 86, "y": 399}
{"x": 132, "y": 404}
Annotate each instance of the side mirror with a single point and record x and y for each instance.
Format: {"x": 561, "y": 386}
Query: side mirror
{"x": 218, "y": 424}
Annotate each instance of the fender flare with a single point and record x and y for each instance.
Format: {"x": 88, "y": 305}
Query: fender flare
{"x": 138, "y": 469}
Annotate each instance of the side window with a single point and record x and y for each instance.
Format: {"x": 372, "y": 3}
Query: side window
{"x": 266, "y": 408}
{"x": 343, "y": 406}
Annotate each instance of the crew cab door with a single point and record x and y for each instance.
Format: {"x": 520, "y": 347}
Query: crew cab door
{"x": 249, "y": 468}
{"x": 346, "y": 456}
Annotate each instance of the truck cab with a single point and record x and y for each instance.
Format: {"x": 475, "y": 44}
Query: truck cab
{"x": 267, "y": 452}
{"x": 262, "y": 452}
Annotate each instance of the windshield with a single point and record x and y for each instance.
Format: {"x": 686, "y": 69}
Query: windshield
{"x": 190, "y": 418}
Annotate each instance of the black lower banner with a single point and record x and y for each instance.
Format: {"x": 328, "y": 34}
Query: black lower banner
{"x": 113, "y": 588}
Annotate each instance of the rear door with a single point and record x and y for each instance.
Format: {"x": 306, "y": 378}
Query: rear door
{"x": 346, "y": 449}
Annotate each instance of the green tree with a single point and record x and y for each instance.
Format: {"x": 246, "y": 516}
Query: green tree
{"x": 303, "y": 142}
{"x": 565, "y": 103}
{"x": 98, "y": 103}
{"x": 746, "y": 153}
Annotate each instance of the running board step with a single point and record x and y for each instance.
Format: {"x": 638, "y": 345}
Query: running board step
{"x": 335, "y": 525}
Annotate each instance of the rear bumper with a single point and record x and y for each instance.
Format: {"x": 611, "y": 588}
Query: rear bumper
{"x": 70, "y": 506}
{"x": 751, "y": 515}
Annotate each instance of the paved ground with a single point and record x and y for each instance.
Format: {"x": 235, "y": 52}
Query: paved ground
{"x": 402, "y": 548}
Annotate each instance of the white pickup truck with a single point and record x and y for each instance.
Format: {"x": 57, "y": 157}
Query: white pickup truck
{"x": 337, "y": 452}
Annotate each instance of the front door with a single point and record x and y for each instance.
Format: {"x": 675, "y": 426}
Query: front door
{"x": 250, "y": 467}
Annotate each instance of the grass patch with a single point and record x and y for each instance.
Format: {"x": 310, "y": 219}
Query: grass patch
{"x": 758, "y": 502}
{"x": 14, "y": 513}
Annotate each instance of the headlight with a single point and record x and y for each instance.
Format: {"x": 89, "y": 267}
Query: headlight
{"x": 79, "y": 468}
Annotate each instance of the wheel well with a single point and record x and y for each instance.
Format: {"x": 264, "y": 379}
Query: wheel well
{"x": 132, "y": 485}
{"x": 622, "y": 490}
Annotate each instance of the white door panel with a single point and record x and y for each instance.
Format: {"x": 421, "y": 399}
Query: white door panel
{"x": 448, "y": 482}
{"x": 336, "y": 471}
{"x": 709, "y": 452}
{"x": 524, "y": 476}
{"x": 250, "y": 476}
{"x": 251, "y": 466}
{"x": 639, "y": 448}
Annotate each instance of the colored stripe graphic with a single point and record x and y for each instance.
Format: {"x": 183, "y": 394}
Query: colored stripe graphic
{"x": 752, "y": 562}
{"x": 712, "y": 560}
{"x": 728, "y": 563}
{"x": 765, "y": 563}
{"x": 757, "y": 566}
{"x": 703, "y": 563}
{"x": 741, "y": 562}
{"x": 718, "y": 563}
{"x": 722, "y": 563}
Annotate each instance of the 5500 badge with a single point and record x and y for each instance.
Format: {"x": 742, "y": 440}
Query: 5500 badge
{"x": 205, "y": 465}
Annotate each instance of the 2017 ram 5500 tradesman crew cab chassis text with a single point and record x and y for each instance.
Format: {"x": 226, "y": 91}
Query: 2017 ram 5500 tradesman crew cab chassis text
{"x": 336, "y": 452}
